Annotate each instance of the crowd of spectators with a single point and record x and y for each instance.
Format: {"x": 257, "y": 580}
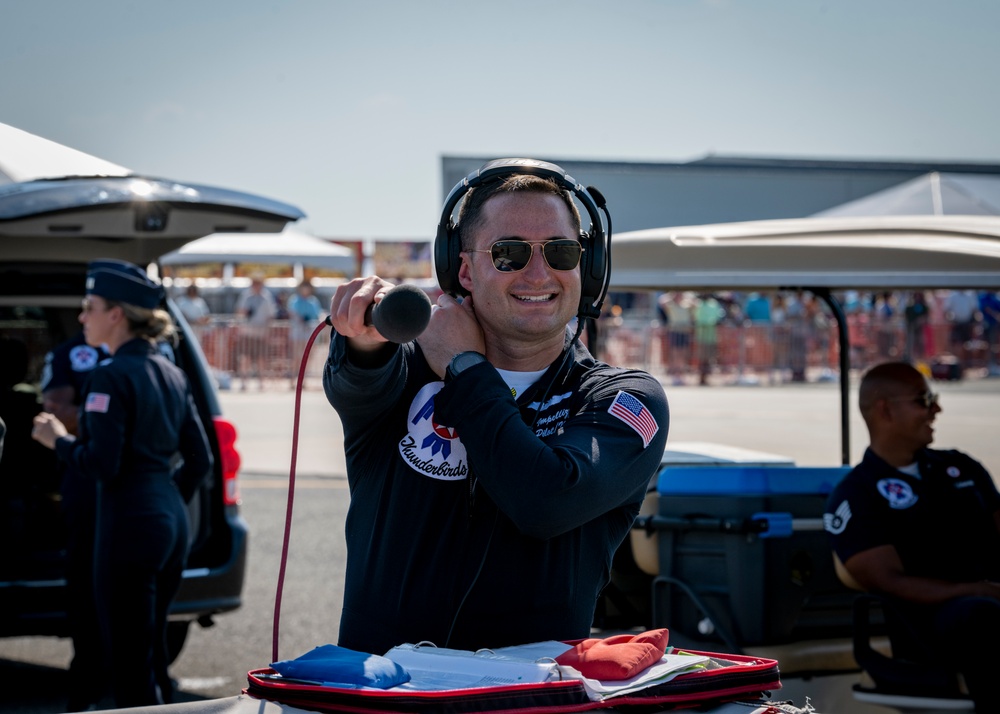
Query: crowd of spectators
{"x": 791, "y": 335}
{"x": 256, "y": 333}
{"x": 787, "y": 336}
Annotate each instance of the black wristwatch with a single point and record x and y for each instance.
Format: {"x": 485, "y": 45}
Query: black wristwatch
{"x": 462, "y": 361}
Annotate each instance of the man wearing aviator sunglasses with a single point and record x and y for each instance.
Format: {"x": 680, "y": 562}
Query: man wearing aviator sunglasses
{"x": 923, "y": 527}
{"x": 495, "y": 466}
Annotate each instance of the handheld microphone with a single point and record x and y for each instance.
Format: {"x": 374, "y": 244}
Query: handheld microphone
{"x": 401, "y": 315}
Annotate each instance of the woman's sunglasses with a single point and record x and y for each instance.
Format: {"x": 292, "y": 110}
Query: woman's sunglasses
{"x": 510, "y": 256}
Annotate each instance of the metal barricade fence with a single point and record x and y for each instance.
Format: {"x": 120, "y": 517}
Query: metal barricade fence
{"x": 242, "y": 355}
{"x": 778, "y": 352}
{"x": 752, "y": 352}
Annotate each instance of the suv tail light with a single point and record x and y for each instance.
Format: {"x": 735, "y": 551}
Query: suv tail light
{"x": 226, "y": 434}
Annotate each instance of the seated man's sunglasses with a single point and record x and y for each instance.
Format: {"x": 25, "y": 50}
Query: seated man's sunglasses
{"x": 924, "y": 399}
{"x": 510, "y": 256}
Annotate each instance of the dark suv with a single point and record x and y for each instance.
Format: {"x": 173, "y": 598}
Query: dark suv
{"x": 49, "y": 231}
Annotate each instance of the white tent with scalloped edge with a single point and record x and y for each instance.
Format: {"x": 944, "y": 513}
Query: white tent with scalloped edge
{"x": 859, "y": 252}
{"x": 290, "y": 247}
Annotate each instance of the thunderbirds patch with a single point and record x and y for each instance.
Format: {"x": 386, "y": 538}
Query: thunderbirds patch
{"x": 430, "y": 448}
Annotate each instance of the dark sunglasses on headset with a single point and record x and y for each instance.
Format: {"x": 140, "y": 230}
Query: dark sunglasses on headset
{"x": 511, "y": 256}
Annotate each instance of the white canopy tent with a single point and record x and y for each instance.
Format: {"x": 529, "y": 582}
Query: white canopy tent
{"x": 817, "y": 254}
{"x": 291, "y": 247}
{"x": 874, "y": 252}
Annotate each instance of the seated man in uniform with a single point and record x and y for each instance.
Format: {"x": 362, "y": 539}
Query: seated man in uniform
{"x": 922, "y": 526}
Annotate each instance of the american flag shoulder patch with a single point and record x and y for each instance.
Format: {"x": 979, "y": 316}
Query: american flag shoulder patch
{"x": 97, "y": 402}
{"x": 631, "y": 411}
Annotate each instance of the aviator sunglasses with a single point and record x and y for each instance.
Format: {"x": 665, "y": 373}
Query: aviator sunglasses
{"x": 511, "y": 256}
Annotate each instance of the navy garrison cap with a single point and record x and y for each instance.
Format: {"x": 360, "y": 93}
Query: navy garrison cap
{"x": 122, "y": 282}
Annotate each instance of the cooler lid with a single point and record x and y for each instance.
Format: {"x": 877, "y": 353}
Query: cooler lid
{"x": 704, "y": 453}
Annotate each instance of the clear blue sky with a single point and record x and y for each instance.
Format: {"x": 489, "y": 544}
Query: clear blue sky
{"x": 345, "y": 108}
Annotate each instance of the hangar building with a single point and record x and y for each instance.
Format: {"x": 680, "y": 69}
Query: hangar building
{"x": 718, "y": 189}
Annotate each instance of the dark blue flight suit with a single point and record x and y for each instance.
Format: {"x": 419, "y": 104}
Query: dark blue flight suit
{"x": 442, "y": 542}
{"x": 69, "y": 365}
{"x": 141, "y": 441}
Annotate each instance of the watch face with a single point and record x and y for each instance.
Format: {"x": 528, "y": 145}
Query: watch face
{"x": 464, "y": 360}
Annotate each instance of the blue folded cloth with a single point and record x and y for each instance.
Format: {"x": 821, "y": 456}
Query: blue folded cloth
{"x": 331, "y": 664}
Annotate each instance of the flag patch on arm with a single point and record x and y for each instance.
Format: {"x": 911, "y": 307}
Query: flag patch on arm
{"x": 631, "y": 411}
{"x": 97, "y": 402}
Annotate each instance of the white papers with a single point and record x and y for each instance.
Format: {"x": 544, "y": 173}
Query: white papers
{"x": 436, "y": 668}
{"x": 670, "y": 666}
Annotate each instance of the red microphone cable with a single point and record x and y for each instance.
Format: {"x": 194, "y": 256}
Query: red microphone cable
{"x": 291, "y": 487}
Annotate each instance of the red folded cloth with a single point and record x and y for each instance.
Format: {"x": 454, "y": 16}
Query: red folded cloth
{"x": 618, "y": 657}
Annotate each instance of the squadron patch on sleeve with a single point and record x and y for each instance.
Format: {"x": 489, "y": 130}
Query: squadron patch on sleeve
{"x": 897, "y": 492}
{"x": 631, "y": 411}
{"x": 836, "y": 522}
{"x": 82, "y": 358}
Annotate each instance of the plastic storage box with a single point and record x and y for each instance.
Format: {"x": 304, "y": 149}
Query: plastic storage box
{"x": 743, "y": 557}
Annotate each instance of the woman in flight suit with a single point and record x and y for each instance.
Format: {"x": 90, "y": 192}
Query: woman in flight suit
{"x": 141, "y": 441}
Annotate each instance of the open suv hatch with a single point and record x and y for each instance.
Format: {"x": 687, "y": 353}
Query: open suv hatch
{"x": 49, "y": 231}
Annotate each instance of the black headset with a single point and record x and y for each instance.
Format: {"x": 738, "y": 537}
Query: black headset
{"x": 595, "y": 264}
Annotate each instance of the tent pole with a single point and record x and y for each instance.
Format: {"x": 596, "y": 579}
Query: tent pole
{"x": 845, "y": 370}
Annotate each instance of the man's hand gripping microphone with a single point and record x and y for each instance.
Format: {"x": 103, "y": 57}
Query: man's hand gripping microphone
{"x": 401, "y": 315}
